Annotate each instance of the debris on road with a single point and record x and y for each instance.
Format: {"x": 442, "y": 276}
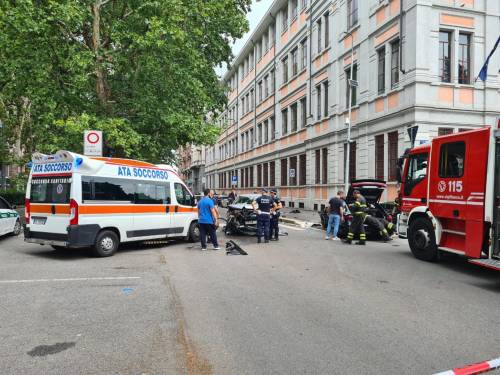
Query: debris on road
{"x": 232, "y": 248}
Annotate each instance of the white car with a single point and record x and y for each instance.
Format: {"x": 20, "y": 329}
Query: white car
{"x": 10, "y": 222}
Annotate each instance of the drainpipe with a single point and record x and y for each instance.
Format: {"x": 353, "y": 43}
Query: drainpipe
{"x": 274, "y": 76}
{"x": 348, "y": 148}
{"x": 401, "y": 14}
{"x": 254, "y": 92}
{"x": 310, "y": 57}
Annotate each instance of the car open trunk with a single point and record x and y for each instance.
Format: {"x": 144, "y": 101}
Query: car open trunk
{"x": 371, "y": 189}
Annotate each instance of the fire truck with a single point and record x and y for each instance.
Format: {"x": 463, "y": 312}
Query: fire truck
{"x": 450, "y": 197}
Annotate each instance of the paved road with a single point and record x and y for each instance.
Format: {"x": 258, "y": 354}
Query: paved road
{"x": 300, "y": 306}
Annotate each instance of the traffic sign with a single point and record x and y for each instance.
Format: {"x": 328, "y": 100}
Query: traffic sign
{"x": 92, "y": 142}
{"x": 291, "y": 173}
{"x": 234, "y": 179}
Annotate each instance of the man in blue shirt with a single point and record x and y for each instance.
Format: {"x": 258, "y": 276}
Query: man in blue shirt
{"x": 208, "y": 220}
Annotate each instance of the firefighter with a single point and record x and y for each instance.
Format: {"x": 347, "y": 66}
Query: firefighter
{"x": 275, "y": 215}
{"x": 263, "y": 206}
{"x": 389, "y": 227}
{"x": 359, "y": 213}
{"x": 380, "y": 225}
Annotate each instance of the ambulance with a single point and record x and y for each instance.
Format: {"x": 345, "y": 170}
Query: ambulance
{"x": 450, "y": 197}
{"x": 75, "y": 201}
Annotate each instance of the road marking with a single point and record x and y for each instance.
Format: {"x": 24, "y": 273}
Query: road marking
{"x": 27, "y": 281}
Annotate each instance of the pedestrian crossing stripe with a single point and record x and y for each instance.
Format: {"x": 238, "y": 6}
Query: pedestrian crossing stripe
{"x": 6, "y": 215}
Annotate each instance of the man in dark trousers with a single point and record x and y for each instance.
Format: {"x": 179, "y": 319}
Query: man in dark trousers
{"x": 232, "y": 196}
{"x": 335, "y": 215}
{"x": 275, "y": 215}
{"x": 359, "y": 212}
{"x": 263, "y": 206}
{"x": 208, "y": 220}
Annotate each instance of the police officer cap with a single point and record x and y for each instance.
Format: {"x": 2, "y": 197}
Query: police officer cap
{"x": 274, "y": 191}
{"x": 356, "y": 192}
{"x": 264, "y": 190}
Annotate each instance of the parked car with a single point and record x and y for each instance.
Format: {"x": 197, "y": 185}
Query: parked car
{"x": 372, "y": 191}
{"x": 10, "y": 223}
{"x": 241, "y": 217}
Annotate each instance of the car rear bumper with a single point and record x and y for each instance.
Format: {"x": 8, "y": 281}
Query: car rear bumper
{"x": 76, "y": 236}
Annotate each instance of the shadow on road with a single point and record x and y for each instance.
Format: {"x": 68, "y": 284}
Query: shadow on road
{"x": 480, "y": 277}
{"x": 63, "y": 255}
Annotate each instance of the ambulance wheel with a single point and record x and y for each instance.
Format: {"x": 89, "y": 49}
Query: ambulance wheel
{"x": 106, "y": 244}
{"x": 422, "y": 239}
{"x": 194, "y": 232}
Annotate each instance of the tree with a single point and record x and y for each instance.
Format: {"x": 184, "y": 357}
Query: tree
{"x": 141, "y": 70}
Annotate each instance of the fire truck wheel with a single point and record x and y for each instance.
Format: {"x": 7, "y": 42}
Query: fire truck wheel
{"x": 422, "y": 239}
{"x": 106, "y": 244}
{"x": 194, "y": 232}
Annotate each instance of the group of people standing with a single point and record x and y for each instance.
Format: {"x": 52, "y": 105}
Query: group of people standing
{"x": 360, "y": 215}
{"x": 268, "y": 206}
{"x": 268, "y": 213}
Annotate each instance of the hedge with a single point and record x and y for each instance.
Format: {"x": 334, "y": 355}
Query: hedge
{"x": 13, "y": 196}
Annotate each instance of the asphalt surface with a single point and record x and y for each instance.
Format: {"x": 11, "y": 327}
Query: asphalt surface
{"x": 300, "y": 306}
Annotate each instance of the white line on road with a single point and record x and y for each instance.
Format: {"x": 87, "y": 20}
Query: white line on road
{"x": 68, "y": 279}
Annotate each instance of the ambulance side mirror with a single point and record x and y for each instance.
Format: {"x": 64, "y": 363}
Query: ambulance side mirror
{"x": 193, "y": 201}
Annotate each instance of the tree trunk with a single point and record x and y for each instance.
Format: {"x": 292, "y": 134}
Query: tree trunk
{"x": 101, "y": 79}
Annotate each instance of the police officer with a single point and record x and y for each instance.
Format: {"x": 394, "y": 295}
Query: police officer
{"x": 263, "y": 206}
{"x": 275, "y": 215}
{"x": 359, "y": 213}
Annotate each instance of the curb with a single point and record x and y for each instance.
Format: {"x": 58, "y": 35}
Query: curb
{"x": 476, "y": 368}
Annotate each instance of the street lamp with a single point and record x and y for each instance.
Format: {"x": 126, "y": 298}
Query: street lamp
{"x": 350, "y": 85}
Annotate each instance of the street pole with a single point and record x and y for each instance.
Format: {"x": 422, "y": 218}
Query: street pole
{"x": 348, "y": 148}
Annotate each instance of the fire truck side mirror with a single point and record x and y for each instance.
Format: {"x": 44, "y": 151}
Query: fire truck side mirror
{"x": 399, "y": 170}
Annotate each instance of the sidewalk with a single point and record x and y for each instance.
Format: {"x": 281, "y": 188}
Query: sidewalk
{"x": 304, "y": 218}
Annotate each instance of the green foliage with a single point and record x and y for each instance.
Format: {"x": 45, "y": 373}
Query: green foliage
{"x": 68, "y": 135}
{"x": 144, "y": 73}
{"x": 14, "y": 197}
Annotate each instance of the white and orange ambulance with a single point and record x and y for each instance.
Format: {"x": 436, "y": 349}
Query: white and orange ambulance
{"x": 78, "y": 201}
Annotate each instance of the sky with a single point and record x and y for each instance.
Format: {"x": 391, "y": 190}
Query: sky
{"x": 259, "y": 9}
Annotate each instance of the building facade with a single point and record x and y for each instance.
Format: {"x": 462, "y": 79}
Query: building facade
{"x": 192, "y": 167}
{"x": 413, "y": 64}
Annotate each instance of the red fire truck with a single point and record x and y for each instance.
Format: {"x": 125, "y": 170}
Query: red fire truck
{"x": 450, "y": 197}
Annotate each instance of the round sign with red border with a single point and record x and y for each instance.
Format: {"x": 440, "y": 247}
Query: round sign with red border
{"x": 93, "y": 138}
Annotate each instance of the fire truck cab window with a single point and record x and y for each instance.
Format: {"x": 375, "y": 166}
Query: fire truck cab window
{"x": 451, "y": 160}
{"x": 418, "y": 168}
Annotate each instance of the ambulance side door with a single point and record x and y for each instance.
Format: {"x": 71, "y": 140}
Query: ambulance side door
{"x": 153, "y": 219}
{"x": 183, "y": 211}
